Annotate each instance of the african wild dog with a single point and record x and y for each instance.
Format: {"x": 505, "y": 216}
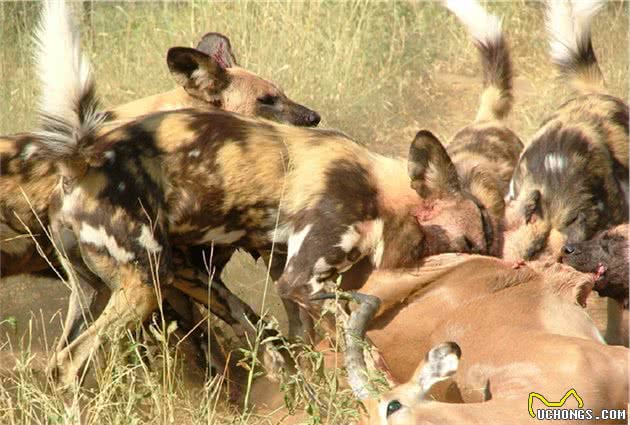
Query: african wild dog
{"x": 127, "y": 198}
{"x": 572, "y": 180}
{"x": 210, "y": 78}
{"x": 486, "y": 151}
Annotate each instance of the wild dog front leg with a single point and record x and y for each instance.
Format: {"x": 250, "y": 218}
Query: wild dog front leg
{"x": 317, "y": 254}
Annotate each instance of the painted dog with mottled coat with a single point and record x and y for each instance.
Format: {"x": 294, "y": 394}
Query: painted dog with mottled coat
{"x": 572, "y": 179}
{"x": 127, "y": 198}
{"x": 486, "y": 151}
{"x": 210, "y": 78}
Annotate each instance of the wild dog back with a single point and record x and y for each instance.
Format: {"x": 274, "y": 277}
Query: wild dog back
{"x": 572, "y": 179}
{"x": 217, "y": 177}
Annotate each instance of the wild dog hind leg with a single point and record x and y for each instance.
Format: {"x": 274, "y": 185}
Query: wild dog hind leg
{"x": 132, "y": 302}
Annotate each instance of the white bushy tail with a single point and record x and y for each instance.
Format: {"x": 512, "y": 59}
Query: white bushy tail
{"x": 485, "y": 29}
{"x": 68, "y": 105}
{"x": 571, "y": 49}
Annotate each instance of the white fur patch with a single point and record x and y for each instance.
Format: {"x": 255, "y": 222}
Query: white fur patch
{"x": 65, "y": 77}
{"x": 316, "y": 287}
{"x": 296, "y": 240}
{"x": 555, "y": 163}
{"x": 147, "y": 240}
{"x": 373, "y": 242}
{"x": 201, "y": 77}
{"x": 482, "y": 26}
{"x": 70, "y": 201}
{"x": 569, "y": 25}
{"x": 194, "y": 153}
{"x": 280, "y": 234}
{"x": 100, "y": 238}
{"x": 511, "y": 191}
{"x": 434, "y": 372}
{"x": 321, "y": 266}
{"x": 219, "y": 235}
{"x": 349, "y": 239}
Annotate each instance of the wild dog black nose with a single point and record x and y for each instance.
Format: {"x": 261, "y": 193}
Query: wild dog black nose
{"x": 313, "y": 118}
{"x": 568, "y": 249}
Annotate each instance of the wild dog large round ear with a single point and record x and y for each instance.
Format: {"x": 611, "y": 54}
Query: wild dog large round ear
{"x": 218, "y": 47}
{"x": 197, "y": 72}
{"x": 430, "y": 168}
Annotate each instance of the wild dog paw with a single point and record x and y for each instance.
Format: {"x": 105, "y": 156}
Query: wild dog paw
{"x": 273, "y": 362}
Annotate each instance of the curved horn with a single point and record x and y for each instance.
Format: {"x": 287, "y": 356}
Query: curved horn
{"x": 355, "y": 337}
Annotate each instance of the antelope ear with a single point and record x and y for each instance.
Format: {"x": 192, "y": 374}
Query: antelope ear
{"x": 219, "y": 48}
{"x": 198, "y": 73}
{"x": 430, "y": 168}
{"x": 439, "y": 364}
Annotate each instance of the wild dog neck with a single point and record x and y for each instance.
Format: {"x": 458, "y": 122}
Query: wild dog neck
{"x": 177, "y": 98}
{"x": 392, "y": 179}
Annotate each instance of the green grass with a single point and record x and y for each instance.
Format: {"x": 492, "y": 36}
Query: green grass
{"x": 379, "y": 71}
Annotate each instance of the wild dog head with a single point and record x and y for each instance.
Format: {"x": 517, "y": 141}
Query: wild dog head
{"x": 452, "y": 219}
{"x": 606, "y": 255}
{"x": 210, "y": 73}
{"x": 392, "y": 212}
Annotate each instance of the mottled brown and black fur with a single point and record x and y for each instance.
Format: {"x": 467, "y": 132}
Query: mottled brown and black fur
{"x": 209, "y": 77}
{"x": 486, "y": 151}
{"x": 191, "y": 177}
{"x": 572, "y": 180}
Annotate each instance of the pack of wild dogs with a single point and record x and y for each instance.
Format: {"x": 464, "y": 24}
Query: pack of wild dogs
{"x": 470, "y": 262}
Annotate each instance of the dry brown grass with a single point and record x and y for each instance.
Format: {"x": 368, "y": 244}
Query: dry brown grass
{"x": 377, "y": 70}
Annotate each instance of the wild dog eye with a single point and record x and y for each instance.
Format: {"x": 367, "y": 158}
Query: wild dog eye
{"x": 268, "y": 99}
{"x": 532, "y": 208}
{"x": 392, "y": 407}
{"x": 572, "y": 220}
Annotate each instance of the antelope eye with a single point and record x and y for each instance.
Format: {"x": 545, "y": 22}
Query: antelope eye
{"x": 268, "y": 99}
{"x": 393, "y": 406}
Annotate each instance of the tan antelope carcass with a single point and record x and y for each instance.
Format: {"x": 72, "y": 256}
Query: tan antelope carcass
{"x": 513, "y": 343}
